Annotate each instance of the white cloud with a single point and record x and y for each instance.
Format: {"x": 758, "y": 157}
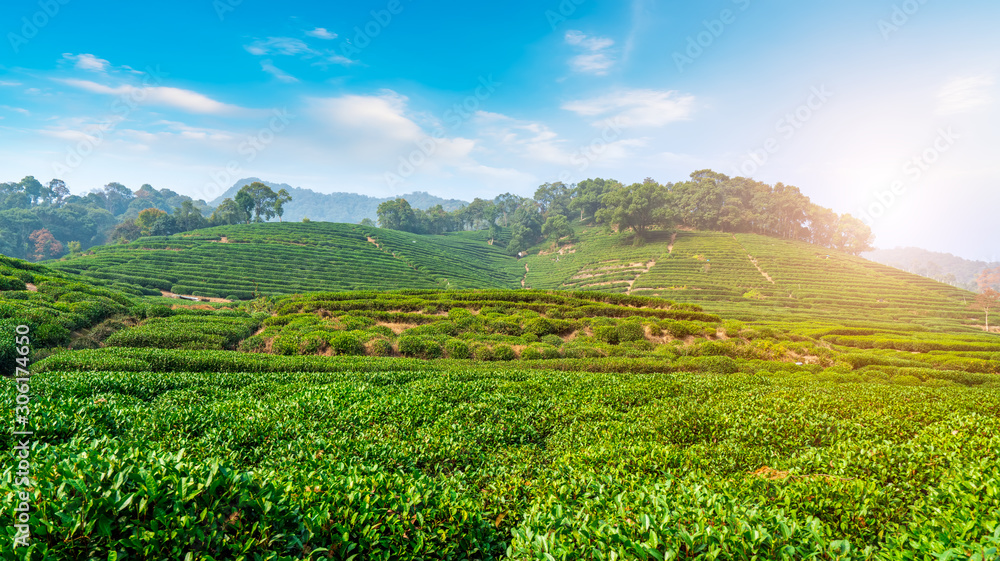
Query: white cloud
{"x": 380, "y": 116}
{"x": 289, "y": 46}
{"x": 636, "y": 108}
{"x": 88, "y": 62}
{"x": 966, "y": 94}
{"x": 20, "y": 110}
{"x": 321, "y": 33}
{"x": 9, "y": 83}
{"x": 596, "y": 59}
{"x": 187, "y": 100}
{"x": 278, "y": 46}
{"x": 527, "y": 139}
{"x": 279, "y": 74}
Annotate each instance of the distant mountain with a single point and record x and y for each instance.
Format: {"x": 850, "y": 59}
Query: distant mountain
{"x": 943, "y": 267}
{"x": 349, "y": 208}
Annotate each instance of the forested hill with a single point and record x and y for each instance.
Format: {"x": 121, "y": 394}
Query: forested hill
{"x": 348, "y": 208}
{"x": 943, "y": 267}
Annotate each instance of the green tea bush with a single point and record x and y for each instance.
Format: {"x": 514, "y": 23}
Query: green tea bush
{"x": 607, "y": 334}
{"x": 346, "y": 343}
{"x": 631, "y": 331}
{"x": 503, "y": 352}
{"x": 457, "y": 349}
{"x": 379, "y": 347}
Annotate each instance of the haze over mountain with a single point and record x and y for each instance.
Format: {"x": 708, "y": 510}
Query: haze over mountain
{"x": 943, "y": 267}
{"x": 349, "y": 208}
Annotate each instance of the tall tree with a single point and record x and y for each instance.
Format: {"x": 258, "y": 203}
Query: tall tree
{"x": 116, "y": 197}
{"x": 245, "y": 203}
{"x": 987, "y": 300}
{"x": 46, "y": 246}
{"x": 146, "y": 219}
{"x": 989, "y": 278}
{"x": 396, "y": 214}
{"x": 853, "y": 236}
{"x": 279, "y": 203}
{"x": 638, "y": 207}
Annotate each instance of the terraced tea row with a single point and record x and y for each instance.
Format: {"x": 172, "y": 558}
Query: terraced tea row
{"x": 240, "y": 261}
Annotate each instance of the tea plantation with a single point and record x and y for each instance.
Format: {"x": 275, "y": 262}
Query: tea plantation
{"x": 699, "y": 396}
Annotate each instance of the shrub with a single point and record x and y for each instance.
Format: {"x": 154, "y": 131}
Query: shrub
{"x": 554, "y": 340}
{"x": 432, "y": 349}
{"x": 313, "y": 343}
{"x": 456, "y": 348}
{"x": 253, "y": 344}
{"x": 540, "y": 351}
{"x": 12, "y": 283}
{"x": 503, "y": 352}
{"x": 607, "y": 334}
{"x": 346, "y": 343}
{"x": 411, "y": 346}
{"x": 380, "y": 347}
{"x": 631, "y": 331}
{"x": 539, "y": 326}
{"x": 583, "y": 351}
{"x": 287, "y": 343}
{"x": 481, "y": 351}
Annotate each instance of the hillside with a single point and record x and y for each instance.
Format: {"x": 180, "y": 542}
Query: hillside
{"x": 789, "y": 403}
{"x": 749, "y": 277}
{"x": 287, "y": 258}
{"x": 348, "y": 208}
{"x": 943, "y": 267}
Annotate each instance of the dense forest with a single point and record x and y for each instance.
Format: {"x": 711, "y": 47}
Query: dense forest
{"x": 708, "y": 201}
{"x": 44, "y": 221}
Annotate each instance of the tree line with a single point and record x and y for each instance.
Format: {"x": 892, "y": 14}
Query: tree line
{"x": 707, "y": 201}
{"x": 44, "y": 221}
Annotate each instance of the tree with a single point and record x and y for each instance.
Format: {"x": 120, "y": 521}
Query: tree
{"x": 853, "y": 236}
{"x": 146, "y": 219}
{"x": 16, "y": 227}
{"x": 32, "y": 188}
{"x": 164, "y": 226}
{"x": 228, "y": 212}
{"x": 557, "y": 227}
{"x": 128, "y": 231}
{"x": 279, "y": 203}
{"x": 396, "y": 215}
{"x": 57, "y": 191}
{"x": 553, "y": 198}
{"x": 507, "y": 204}
{"x": 987, "y": 300}
{"x": 116, "y": 197}
{"x": 367, "y": 222}
{"x": 638, "y": 207}
{"x": 74, "y": 248}
{"x": 587, "y": 196}
{"x": 187, "y": 217}
{"x": 245, "y": 203}
{"x": 990, "y": 278}
{"x": 261, "y": 201}
{"x": 46, "y": 245}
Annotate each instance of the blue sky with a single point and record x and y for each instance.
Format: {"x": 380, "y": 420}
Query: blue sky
{"x": 473, "y": 99}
